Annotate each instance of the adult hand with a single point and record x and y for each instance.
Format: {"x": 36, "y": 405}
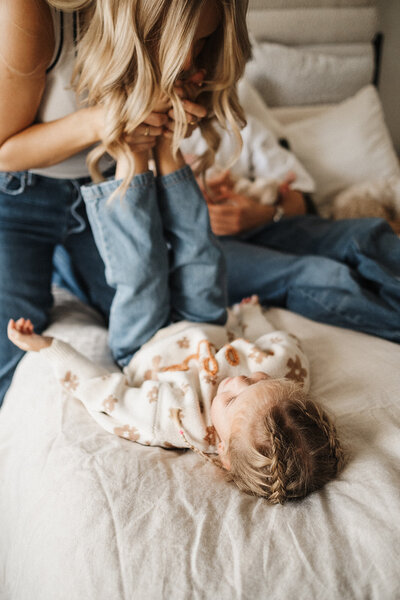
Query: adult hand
{"x": 237, "y": 214}
{"x": 144, "y": 136}
{"x": 292, "y": 203}
{"x": 188, "y": 90}
{"x": 194, "y": 113}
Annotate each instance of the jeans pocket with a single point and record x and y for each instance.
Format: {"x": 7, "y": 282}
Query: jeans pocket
{"x": 13, "y": 183}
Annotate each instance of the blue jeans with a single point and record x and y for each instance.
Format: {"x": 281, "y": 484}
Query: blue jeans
{"x": 344, "y": 273}
{"x": 160, "y": 256}
{"x": 37, "y": 214}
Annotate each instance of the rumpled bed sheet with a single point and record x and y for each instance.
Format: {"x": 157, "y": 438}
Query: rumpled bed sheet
{"x": 87, "y": 515}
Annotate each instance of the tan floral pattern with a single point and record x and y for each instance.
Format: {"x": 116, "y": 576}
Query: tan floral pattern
{"x": 259, "y": 355}
{"x": 183, "y": 342}
{"x": 276, "y": 340}
{"x": 109, "y": 403}
{"x": 211, "y": 436}
{"x": 127, "y": 432}
{"x": 210, "y": 379}
{"x": 152, "y": 373}
{"x": 230, "y": 335}
{"x": 70, "y": 381}
{"x": 296, "y": 370}
{"x": 152, "y": 394}
{"x": 175, "y": 414}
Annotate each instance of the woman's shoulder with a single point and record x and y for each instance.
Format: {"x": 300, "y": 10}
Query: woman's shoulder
{"x": 26, "y": 35}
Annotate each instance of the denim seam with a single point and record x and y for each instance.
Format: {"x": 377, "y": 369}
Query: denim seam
{"x": 346, "y": 315}
{"x": 101, "y": 231}
{"x": 81, "y": 225}
{"x": 183, "y": 175}
{"x": 104, "y": 189}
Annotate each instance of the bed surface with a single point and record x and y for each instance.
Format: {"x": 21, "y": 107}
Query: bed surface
{"x": 87, "y": 515}
{"x": 84, "y": 514}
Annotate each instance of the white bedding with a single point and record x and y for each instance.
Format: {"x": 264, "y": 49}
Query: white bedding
{"x": 87, "y": 515}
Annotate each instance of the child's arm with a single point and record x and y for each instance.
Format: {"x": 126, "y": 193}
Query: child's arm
{"x": 21, "y": 334}
{"x": 125, "y": 411}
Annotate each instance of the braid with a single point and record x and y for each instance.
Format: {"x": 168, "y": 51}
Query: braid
{"x": 320, "y": 418}
{"x": 290, "y": 451}
{"x": 277, "y": 476}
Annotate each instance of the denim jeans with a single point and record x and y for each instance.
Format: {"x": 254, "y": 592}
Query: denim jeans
{"x": 160, "y": 256}
{"x": 37, "y": 214}
{"x": 344, "y": 273}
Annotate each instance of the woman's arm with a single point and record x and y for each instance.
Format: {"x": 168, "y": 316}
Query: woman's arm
{"x": 26, "y": 48}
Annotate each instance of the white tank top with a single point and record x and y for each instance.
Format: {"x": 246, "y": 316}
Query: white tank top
{"x": 59, "y": 99}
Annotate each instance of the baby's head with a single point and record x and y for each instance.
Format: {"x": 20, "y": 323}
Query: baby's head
{"x": 275, "y": 442}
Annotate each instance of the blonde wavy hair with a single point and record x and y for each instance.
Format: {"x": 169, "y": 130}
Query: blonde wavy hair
{"x": 131, "y": 53}
{"x": 289, "y": 451}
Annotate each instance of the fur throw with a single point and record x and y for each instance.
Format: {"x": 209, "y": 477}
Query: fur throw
{"x": 379, "y": 198}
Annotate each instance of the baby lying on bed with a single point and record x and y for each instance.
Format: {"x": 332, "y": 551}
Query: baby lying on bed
{"x": 237, "y": 389}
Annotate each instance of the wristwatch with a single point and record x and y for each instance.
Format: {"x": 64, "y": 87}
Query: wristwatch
{"x": 278, "y": 214}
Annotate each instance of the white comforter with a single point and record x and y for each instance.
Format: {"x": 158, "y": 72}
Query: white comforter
{"x": 85, "y": 515}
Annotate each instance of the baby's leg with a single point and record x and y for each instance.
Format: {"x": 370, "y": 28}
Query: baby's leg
{"x": 197, "y": 270}
{"x": 128, "y": 233}
{"x": 21, "y": 333}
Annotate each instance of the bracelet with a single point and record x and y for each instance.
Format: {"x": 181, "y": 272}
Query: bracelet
{"x": 279, "y": 213}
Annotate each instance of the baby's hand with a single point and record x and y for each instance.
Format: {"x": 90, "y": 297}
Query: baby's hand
{"x": 21, "y": 333}
{"x": 250, "y": 300}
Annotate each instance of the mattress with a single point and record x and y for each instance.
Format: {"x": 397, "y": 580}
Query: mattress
{"x": 85, "y": 514}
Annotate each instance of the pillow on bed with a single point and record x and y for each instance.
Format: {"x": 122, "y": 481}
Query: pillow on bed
{"x": 346, "y": 144}
{"x": 254, "y": 105}
{"x": 289, "y": 76}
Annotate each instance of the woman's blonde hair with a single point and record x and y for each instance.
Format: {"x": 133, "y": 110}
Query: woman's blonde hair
{"x": 287, "y": 452}
{"x": 131, "y": 52}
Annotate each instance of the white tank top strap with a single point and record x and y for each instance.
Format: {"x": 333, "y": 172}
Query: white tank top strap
{"x": 59, "y": 98}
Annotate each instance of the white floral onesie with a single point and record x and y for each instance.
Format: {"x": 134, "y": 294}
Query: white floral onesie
{"x": 179, "y": 369}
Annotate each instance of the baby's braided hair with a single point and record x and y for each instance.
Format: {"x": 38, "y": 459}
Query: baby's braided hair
{"x": 288, "y": 451}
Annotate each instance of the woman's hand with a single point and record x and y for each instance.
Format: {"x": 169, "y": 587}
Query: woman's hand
{"x": 144, "y": 136}
{"x": 194, "y": 113}
{"x": 188, "y": 91}
{"x": 237, "y": 214}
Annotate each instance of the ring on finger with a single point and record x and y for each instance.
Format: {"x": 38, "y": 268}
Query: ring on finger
{"x": 147, "y": 131}
{"x": 193, "y": 122}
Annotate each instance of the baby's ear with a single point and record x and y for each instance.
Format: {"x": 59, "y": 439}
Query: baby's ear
{"x": 224, "y": 458}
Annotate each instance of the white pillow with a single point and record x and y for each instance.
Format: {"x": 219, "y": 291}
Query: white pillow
{"x": 346, "y": 144}
{"x": 288, "y": 76}
{"x": 254, "y": 105}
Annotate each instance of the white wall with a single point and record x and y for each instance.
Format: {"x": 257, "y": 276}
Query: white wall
{"x": 389, "y": 85}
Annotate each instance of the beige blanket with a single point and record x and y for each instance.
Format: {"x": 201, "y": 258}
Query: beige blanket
{"x": 86, "y": 515}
